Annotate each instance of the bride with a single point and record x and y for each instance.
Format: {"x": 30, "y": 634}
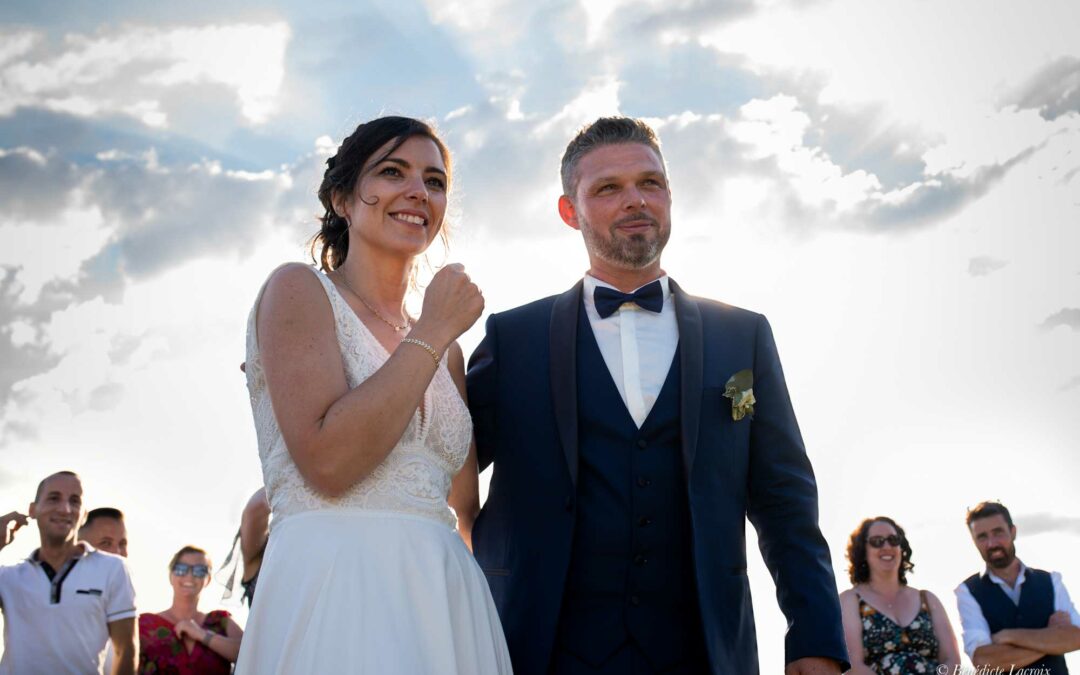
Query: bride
{"x": 364, "y": 436}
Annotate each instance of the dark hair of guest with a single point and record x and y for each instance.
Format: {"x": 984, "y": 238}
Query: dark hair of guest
{"x": 330, "y": 246}
{"x": 103, "y": 512}
{"x": 858, "y": 567}
{"x": 986, "y": 510}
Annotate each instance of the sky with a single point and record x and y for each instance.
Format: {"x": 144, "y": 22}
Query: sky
{"x": 896, "y": 186}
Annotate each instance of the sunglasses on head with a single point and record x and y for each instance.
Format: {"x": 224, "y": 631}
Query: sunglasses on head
{"x": 878, "y": 542}
{"x": 197, "y": 571}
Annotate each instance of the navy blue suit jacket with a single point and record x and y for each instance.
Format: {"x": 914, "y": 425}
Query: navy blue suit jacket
{"x": 523, "y": 398}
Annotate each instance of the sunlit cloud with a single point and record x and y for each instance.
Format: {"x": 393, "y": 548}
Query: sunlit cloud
{"x": 1073, "y": 383}
{"x": 126, "y": 70}
{"x": 1068, "y": 317}
{"x": 776, "y": 128}
{"x": 1054, "y": 90}
{"x": 984, "y": 265}
{"x": 1047, "y": 523}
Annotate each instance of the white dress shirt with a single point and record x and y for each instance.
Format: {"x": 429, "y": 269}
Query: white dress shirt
{"x": 974, "y": 624}
{"x": 637, "y": 346}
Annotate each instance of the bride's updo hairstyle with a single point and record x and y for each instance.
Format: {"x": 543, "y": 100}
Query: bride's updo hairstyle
{"x": 345, "y": 169}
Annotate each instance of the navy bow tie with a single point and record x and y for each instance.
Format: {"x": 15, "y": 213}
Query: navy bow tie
{"x": 608, "y": 300}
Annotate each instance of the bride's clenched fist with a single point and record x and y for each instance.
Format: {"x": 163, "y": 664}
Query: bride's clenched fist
{"x": 452, "y": 304}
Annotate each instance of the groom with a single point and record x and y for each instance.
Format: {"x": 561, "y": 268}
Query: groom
{"x": 633, "y": 429}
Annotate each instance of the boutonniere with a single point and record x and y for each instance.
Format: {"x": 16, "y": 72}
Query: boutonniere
{"x": 740, "y": 389}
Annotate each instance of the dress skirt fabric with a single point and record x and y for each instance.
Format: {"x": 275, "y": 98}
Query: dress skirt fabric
{"x": 373, "y": 593}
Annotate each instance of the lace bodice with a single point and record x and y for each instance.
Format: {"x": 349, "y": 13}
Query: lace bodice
{"x": 415, "y": 476}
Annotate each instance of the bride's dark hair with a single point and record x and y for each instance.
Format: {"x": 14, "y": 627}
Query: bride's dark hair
{"x": 330, "y": 246}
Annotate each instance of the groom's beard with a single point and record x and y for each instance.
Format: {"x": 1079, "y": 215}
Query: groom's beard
{"x": 629, "y": 252}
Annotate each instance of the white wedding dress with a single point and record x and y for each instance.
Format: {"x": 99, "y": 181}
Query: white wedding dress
{"x": 376, "y": 581}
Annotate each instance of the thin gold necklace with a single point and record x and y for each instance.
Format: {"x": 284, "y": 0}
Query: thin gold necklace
{"x": 378, "y": 315}
{"x": 881, "y": 596}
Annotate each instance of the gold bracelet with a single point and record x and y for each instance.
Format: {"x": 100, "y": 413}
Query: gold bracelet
{"x": 425, "y": 346}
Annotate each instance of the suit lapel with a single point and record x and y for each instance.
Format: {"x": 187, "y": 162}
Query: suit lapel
{"x": 688, "y": 317}
{"x": 562, "y": 362}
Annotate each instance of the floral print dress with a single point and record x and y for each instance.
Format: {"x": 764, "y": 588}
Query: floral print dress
{"x": 891, "y": 649}
{"x": 161, "y": 652}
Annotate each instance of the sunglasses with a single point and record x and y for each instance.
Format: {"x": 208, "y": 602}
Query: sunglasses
{"x": 197, "y": 571}
{"x": 878, "y": 542}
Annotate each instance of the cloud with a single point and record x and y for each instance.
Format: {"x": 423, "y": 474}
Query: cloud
{"x": 123, "y": 346}
{"x": 1047, "y": 523}
{"x": 653, "y": 17}
{"x": 94, "y": 75}
{"x": 1071, "y": 384}
{"x": 1069, "y": 316}
{"x": 154, "y": 218}
{"x": 774, "y": 139}
{"x": 23, "y": 350}
{"x": 984, "y": 265}
{"x": 934, "y": 198}
{"x": 1054, "y": 90}
{"x": 105, "y": 397}
{"x": 34, "y": 186}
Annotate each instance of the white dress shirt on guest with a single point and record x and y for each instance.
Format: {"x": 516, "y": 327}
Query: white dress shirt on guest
{"x": 977, "y": 630}
{"x": 637, "y": 346}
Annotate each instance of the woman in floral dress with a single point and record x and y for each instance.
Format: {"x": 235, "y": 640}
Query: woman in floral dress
{"x": 890, "y": 627}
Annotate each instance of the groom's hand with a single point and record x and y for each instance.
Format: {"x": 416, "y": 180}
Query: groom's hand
{"x": 813, "y": 665}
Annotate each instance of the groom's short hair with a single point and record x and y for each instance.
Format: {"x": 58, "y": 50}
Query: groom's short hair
{"x": 604, "y": 131}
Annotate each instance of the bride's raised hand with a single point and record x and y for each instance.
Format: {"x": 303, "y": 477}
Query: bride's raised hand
{"x": 452, "y": 304}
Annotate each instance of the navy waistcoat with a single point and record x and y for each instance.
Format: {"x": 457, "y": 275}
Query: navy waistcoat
{"x": 630, "y": 575}
{"x": 1036, "y": 606}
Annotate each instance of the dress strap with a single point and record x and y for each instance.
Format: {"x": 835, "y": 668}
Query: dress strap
{"x": 328, "y": 286}
{"x": 923, "y": 601}
{"x": 863, "y": 604}
{"x": 331, "y": 291}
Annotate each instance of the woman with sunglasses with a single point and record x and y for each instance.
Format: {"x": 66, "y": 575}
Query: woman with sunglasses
{"x": 182, "y": 640}
{"x": 891, "y": 628}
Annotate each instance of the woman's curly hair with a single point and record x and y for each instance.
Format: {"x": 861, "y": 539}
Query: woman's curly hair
{"x": 858, "y": 568}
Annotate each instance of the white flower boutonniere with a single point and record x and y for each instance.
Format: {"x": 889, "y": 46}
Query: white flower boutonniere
{"x": 740, "y": 389}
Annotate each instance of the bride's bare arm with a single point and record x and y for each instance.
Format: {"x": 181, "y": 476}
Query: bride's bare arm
{"x": 337, "y": 436}
{"x": 465, "y": 488}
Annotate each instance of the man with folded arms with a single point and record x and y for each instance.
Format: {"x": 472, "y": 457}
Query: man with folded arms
{"x": 1013, "y": 616}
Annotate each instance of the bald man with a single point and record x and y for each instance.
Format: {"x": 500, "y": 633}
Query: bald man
{"x": 67, "y": 599}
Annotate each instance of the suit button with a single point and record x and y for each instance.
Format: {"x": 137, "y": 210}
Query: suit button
{"x": 640, "y": 560}
{"x": 635, "y": 600}
{"x": 642, "y": 481}
{"x": 569, "y": 504}
{"x": 642, "y": 444}
{"x": 643, "y": 521}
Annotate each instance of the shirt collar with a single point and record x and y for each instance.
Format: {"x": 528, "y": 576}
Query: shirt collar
{"x": 591, "y": 283}
{"x": 84, "y": 549}
{"x": 1020, "y": 576}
